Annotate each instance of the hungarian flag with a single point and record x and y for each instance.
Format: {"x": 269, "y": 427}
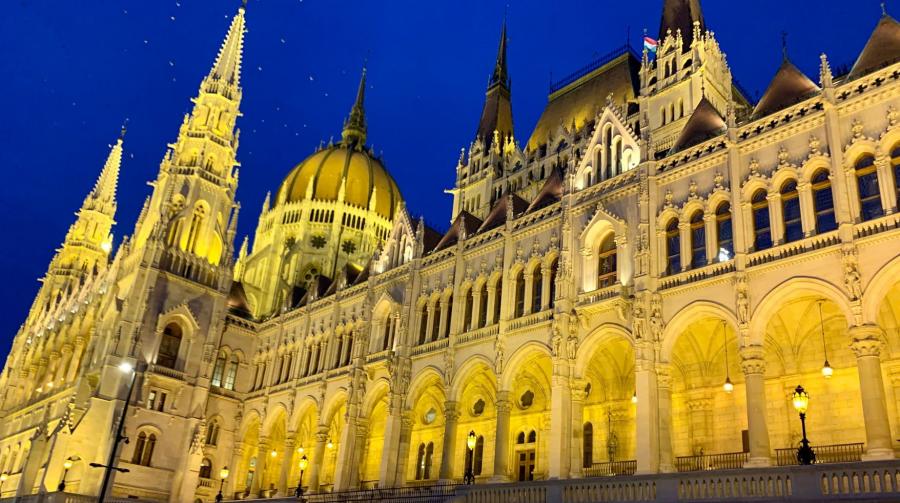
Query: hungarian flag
{"x": 650, "y": 44}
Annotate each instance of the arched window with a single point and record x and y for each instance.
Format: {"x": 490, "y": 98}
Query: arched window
{"x": 867, "y": 184}
{"x": 673, "y": 247}
{"x": 420, "y": 462}
{"x": 429, "y": 454}
{"x": 479, "y": 455}
{"x": 823, "y": 202}
{"x": 206, "y": 469}
{"x": 423, "y": 324}
{"x": 169, "y": 346}
{"x": 724, "y": 233}
{"x": 467, "y": 322}
{"x": 698, "y": 240}
{"x": 761, "y": 227}
{"x": 498, "y": 296}
{"x": 607, "y": 266}
{"x": 895, "y": 164}
{"x": 554, "y": 266}
{"x": 483, "y": 306}
{"x": 219, "y": 369}
{"x": 519, "y": 282}
{"x": 231, "y": 372}
{"x": 520, "y": 438}
{"x": 212, "y": 433}
{"x": 588, "y": 445}
{"x": 662, "y": 114}
{"x": 436, "y": 320}
{"x": 790, "y": 208}
{"x": 532, "y": 437}
{"x": 449, "y": 317}
{"x": 143, "y": 449}
{"x": 536, "y": 289}
{"x": 196, "y": 223}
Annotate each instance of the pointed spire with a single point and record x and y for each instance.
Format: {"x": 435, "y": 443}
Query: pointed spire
{"x": 501, "y": 74}
{"x": 355, "y": 126}
{"x": 881, "y": 50}
{"x": 497, "y": 113}
{"x": 227, "y": 67}
{"x": 105, "y": 188}
{"x": 681, "y": 15}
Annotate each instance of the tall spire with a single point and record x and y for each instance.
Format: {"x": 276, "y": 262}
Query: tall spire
{"x": 227, "y": 67}
{"x": 497, "y": 112}
{"x": 681, "y": 15}
{"x": 104, "y": 191}
{"x": 355, "y": 126}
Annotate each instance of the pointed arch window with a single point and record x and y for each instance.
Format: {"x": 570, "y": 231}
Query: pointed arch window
{"x": 673, "y": 247}
{"x": 724, "y": 232}
{"x": 212, "y": 433}
{"x": 423, "y": 324}
{"x": 867, "y": 185}
{"x": 698, "y": 240}
{"x": 231, "y": 372}
{"x": 467, "y": 322}
{"x": 436, "y": 320}
{"x": 537, "y": 288}
{"x": 429, "y": 455}
{"x": 483, "y": 306}
{"x": 588, "y": 445}
{"x": 519, "y": 288}
{"x": 219, "y": 369}
{"x": 197, "y": 220}
{"x": 169, "y": 346}
{"x": 420, "y": 462}
{"x": 206, "y": 469}
{"x": 554, "y": 267}
{"x": 143, "y": 449}
{"x": 823, "y": 202}
{"x": 498, "y": 297}
{"x": 895, "y": 167}
{"x": 607, "y": 266}
{"x": 762, "y": 227}
{"x": 446, "y": 327}
{"x": 790, "y": 209}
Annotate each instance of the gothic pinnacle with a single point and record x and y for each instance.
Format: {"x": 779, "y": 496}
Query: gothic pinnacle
{"x": 354, "y": 132}
{"x": 227, "y": 67}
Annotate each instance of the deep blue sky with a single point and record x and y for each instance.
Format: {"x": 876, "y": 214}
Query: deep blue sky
{"x": 73, "y": 70}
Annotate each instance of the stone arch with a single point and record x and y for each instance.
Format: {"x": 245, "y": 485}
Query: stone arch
{"x": 423, "y": 380}
{"x": 861, "y": 147}
{"x": 886, "y": 278}
{"x": 473, "y": 366}
{"x": 517, "y": 359}
{"x": 687, "y": 316}
{"x": 794, "y": 287}
{"x": 594, "y": 340}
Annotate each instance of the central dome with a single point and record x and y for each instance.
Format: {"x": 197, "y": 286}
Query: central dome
{"x": 322, "y": 174}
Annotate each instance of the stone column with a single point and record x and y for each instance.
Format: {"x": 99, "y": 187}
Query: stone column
{"x": 286, "y": 463}
{"x": 501, "y": 441}
{"x": 262, "y": 464}
{"x": 647, "y": 445}
{"x": 753, "y": 364}
{"x": 387, "y": 471}
{"x": 448, "y": 452}
{"x": 866, "y": 345}
{"x": 577, "y": 451}
{"x": 560, "y": 427}
{"x": 491, "y": 305}
{"x": 664, "y": 384}
{"x": 346, "y": 466}
{"x": 776, "y": 218}
{"x": 318, "y": 458}
{"x": 406, "y": 424}
{"x": 807, "y": 208}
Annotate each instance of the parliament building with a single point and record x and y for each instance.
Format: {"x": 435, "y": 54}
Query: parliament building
{"x": 635, "y": 291}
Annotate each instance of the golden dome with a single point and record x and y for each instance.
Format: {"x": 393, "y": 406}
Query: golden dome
{"x": 329, "y": 168}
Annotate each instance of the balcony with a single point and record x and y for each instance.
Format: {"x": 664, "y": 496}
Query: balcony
{"x": 724, "y": 461}
{"x": 165, "y": 371}
{"x": 611, "y": 468}
{"x": 837, "y": 453}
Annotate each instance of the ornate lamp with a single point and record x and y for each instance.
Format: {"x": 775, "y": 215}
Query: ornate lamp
{"x": 223, "y": 475}
{"x": 805, "y": 454}
{"x": 728, "y": 386}
{"x": 827, "y": 371}
{"x": 469, "y": 476}
{"x": 304, "y": 463}
{"x": 62, "y": 483}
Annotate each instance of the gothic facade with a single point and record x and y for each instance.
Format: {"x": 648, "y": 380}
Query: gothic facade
{"x": 638, "y": 288}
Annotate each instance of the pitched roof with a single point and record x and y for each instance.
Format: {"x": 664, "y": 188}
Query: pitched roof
{"x": 550, "y": 193}
{"x": 237, "y": 300}
{"x": 465, "y": 224}
{"x": 500, "y": 211}
{"x": 789, "y": 86}
{"x": 431, "y": 237}
{"x": 882, "y": 49}
{"x": 680, "y": 15}
{"x": 704, "y": 123}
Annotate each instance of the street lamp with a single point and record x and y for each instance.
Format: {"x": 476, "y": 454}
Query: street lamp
{"x": 125, "y": 367}
{"x": 469, "y": 476}
{"x": 304, "y": 462}
{"x": 805, "y": 454}
{"x": 3, "y": 477}
{"x": 223, "y": 475}
{"x": 62, "y": 483}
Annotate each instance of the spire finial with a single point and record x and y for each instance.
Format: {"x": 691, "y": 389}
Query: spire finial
{"x": 784, "y": 53}
{"x": 884, "y": 9}
{"x": 500, "y": 74}
{"x": 124, "y": 129}
{"x": 355, "y": 127}
{"x": 227, "y": 67}
{"x": 244, "y": 4}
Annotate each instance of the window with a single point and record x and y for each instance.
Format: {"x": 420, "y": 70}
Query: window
{"x": 536, "y": 289}
{"x": 588, "y": 445}
{"x": 231, "y": 373}
{"x": 607, "y": 266}
{"x": 143, "y": 449}
{"x": 479, "y": 455}
{"x": 527, "y": 399}
{"x": 436, "y": 320}
{"x": 867, "y": 184}
{"x": 424, "y": 461}
{"x": 673, "y": 247}
{"x": 790, "y": 207}
{"x": 478, "y": 408}
{"x": 467, "y": 322}
{"x": 212, "y": 433}
{"x": 895, "y": 164}
{"x": 317, "y": 241}
{"x": 498, "y": 296}
{"x": 554, "y": 266}
{"x": 762, "y": 228}
{"x": 219, "y": 369}
{"x": 446, "y": 327}
{"x": 823, "y": 202}
{"x": 519, "y": 281}
{"x": 429, "y": 455}
{"x": 483, "y": 306}
{"x": 169, "y": 346}
{"x": 724, "y": 232}
{"x": 206, "y": 469}
{"x": 156, "y": 400}
{"x": 698, "y": 240}
{"x": 348, "y": 247}
{"x": 423, "y": 324}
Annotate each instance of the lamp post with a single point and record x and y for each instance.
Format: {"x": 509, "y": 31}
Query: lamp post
{"x": 125, "y": 367}
{"x": 62, "y": 483}
{"x": 3, "y": 477}
{"x": 469, "y": 476}
{"x": 304, "y": 462}
{"x": 223, "y": 475}
{"x": 805, "y": 454}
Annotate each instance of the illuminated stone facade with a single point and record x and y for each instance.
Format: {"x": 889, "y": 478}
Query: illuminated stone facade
{"x": 657, "y": 237}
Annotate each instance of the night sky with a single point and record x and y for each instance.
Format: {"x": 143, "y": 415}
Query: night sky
{"x": 72, "y": 71}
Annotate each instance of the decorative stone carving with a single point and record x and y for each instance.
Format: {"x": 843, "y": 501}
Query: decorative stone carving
{"x": 893, "y": 116}
{"x": 742, "y": 298}
{"x": 814, "y": 146}
{"x": 850, "y": 261}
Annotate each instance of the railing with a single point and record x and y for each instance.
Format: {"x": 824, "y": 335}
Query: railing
{"x": 611, "y": 468}
{"x": 205, "y": 482}
{"x": 428, "y": 347}
{"x": 529, "y": 320}
{"x": 426, "y": 494}
{"x": 476, "y": 335}
{"x": 165, "y": 371}
{"x": 724, "y": 461}
{"x": 599, "y": 295}
{"x": 590, "y": 67}
{"x": 836, "y": 453}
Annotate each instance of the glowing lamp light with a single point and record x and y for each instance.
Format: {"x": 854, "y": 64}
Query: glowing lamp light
{"x": 471, "y": 440}
{"x": 3, "y": 477}
{"x": 106, "y": 247}
{"x": 330, "y": 444}
{"x": 300, "y": 450}
{"x": 800, "y": 400}
{"x": 125, "y": 367}
{"x": 634, "y": 397}
{"x": 273, "y": 453}
{"x": 728, "y": 386}
{"x": 827, "y": 371}
{"x": 223, "y": 473}
{"x": 67, "y": 463}
{"x": 304, "y": 462}
{"x": 724, "y": 255}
